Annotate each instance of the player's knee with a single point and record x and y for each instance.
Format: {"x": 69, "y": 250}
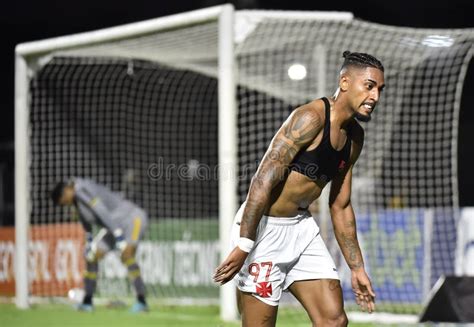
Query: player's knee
{"x": 99, "y": 254}
{"x": 335, "y": 320}
{"x": 125, "y": 257}
{"x": 128, "y": 253}
{"x": 341, "y": 320}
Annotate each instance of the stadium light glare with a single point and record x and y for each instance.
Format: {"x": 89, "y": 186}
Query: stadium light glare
{"x": 438, "y": 41}
{"x": 297, "y": 72}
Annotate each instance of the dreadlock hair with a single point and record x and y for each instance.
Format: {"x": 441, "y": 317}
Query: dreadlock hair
{"x": 57, "y": 192}
{"x": 360, "y": 60}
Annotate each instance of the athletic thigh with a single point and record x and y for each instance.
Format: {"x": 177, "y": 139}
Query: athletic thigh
{"x": 136, "y": 226}
{"x": 256, "y": 313}
{"x": 322, "y": 300}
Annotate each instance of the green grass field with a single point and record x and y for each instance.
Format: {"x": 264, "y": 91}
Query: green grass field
{"x": 59, "y": 315}
{"x": 182, "y": 316}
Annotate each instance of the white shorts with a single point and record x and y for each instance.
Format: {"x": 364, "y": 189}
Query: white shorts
{"x": 286, "y": 250}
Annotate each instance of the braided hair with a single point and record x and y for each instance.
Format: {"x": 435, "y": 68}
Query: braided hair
{"x": 361, "y": 60}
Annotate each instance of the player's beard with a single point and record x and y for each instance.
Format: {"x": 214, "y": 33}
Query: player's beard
{"x": 363, "y": 118}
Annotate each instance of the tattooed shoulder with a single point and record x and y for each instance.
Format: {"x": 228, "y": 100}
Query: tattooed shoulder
{"x": 304, "y": 124}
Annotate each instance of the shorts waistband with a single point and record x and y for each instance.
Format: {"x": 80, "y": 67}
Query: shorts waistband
{"x": 287, "y": 220}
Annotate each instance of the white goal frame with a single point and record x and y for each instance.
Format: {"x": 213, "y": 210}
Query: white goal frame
{"x": 27, "y": 53}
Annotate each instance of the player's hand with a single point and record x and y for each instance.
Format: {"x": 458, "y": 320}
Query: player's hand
{"x": 362, "y": 288}
{"x": 90, "y": 248}
{"x": 231, "y": 266}
{"x": 120, "y": 242}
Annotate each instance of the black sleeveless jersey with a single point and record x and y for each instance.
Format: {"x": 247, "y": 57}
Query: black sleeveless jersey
{"x": 323, "y": 162}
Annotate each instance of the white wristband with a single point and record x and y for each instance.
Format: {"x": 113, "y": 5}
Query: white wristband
{"x": 245, "y": 244}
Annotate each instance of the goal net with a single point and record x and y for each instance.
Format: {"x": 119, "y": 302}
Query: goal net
{"x": 139, "y": 115}
{"x": 404, "y": 190}
{"x": 141, "y": 110}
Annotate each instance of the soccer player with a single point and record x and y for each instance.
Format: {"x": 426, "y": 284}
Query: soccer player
{"x": 122, "y": 226}
{"x": 277, "y": 244}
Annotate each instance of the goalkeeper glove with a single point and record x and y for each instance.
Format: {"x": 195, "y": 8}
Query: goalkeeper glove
{"x": 120, "y": 241}
{"x": 90, "y": 248}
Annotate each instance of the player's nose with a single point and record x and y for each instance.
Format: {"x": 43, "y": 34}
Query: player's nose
{"x": 374, "y": 95}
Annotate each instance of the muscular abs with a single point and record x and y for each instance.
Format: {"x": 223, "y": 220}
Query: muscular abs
{"x": 295, "y": 192}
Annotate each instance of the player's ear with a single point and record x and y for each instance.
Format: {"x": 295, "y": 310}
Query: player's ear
{"x": 344, "y": 82}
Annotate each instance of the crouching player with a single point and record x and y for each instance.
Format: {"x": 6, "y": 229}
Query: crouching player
{"x": 122, "y": 226}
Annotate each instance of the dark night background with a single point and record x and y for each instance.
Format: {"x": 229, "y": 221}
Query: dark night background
{"x": 32, "y": 20}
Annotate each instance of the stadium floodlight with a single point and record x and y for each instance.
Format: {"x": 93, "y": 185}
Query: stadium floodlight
{"x": 175, "y": 112}
{"x": 297, "y": 72}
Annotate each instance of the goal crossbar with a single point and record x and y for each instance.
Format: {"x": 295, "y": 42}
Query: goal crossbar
{"x": 120, "y": 32}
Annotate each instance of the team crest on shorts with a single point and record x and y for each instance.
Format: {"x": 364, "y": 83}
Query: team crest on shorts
{"x": 264, "y": 289}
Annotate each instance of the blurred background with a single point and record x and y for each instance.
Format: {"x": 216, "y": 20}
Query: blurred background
{"x": 403, "y": 177}
{"x": 23, "y": 21}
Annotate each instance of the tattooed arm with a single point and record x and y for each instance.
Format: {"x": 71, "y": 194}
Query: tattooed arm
{"x": 299, "y": 130}
{"x": 344, "y": 223}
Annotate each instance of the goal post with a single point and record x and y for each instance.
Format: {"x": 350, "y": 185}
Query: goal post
{"x": 33, "y": 52}
{"x": 227, "y": 126}
{"x": 22, "y": 190}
